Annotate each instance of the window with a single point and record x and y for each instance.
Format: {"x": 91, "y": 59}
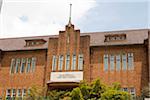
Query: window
{"x": 19, "y": 93}
{"x": 130, "y": 61}
{"x": 106, "y": 62}
{"x": 125, "y": 89}
{"x": 112, "y": 63}
{"x": 12, "y": 67}
{"x": 80, "y": 62}
{"x": 132, "y": 92}
{"x": 67, "y": 62}
{"x": 54, "y": 63}
{"x": 118, "y": 62}
{"x": 23, "y": 64}
{"x": 24, "y": 92}
{"x": 13, "y": 95}
{"x": 124, "y": 61}
{"x": 17, "y": 65}
{"x": 28, "y": 65}
{"x": 8, "y": 94}
{"x": 60, "y": 62}
{"x": 33, "y": 64}
{"x": 73, "y": 62}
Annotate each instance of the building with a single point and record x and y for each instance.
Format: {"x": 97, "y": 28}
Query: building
{"x": 61, "y": 61}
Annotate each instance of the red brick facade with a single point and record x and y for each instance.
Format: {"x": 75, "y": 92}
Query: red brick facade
{"x": 72, "y": 42}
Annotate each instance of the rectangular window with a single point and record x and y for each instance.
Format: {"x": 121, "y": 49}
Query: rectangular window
{"x": 28, "y": 65}
{"x": 23, "y": 64}
{"x": 8, "y": 94}
{"x": 80, "y": 62}
{"x": 67, "y": 62}
{"x": 125, "y": 89}
{"x": 112, "y": 62}
{"x": 19, "y": 93}
{"x": 73, "y": 62}
{"x": 130, "y": 61}
{"x": 33, "y": 64}
{"x": 13, "y": 95}
{"x": 118, "y": 62}
{"x": 12, "y": 66}
{"x": 124, "y": 61}
{"x": 54, "y": 63}
{"x": 17, "y": 65}
{"x": 106, "y": 62}
{"x": 132, "y": 91}
{"x": 24, "y": 91}
{"x": 60, "y": 62}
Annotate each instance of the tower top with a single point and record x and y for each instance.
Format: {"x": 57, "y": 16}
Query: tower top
{"x": 69, "y": 24}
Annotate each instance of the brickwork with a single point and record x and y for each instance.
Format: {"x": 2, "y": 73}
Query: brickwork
{"x": 22, "y": 80}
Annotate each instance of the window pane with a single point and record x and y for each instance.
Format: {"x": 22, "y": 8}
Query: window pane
{"x": 124, "y": 62}
{"x": 17, "y": 65}
{"x": 130, "y": 61}
{"x": 105, "y": 62}
{"x": 8, "y": 93}
{"x": 13, "y": 93}
{"x": 23, "y": 64}
{"x": 28, "y": 65}
{"x": 24, "y": 92}
{"x": 112, "y": 64}
{"x": 19, "y": 93}
{"x": 67, "y": 62}
{"x": 80, "y": 62}
{"x": 60, "y": 62}
{"x": 118, "y": 62}
{"x": 73, "y": 62}
{"x": 33, "y": 64}
{"x": 12, "y": 67}
{"x": 54, "y": 62}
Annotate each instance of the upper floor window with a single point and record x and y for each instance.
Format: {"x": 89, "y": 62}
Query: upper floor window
{"x": 28, "y": 65}
{"x": 130, "y": 61}
{"x": 12, "y": 66}
{"x": 106, "y": 62}
{"x": 33, "y": 64}
{"x": 112, "y": 62}
{"x": 67, "y": 62}
{"x": 74, "y": 62}
{"x": 35, "y": 42}
{"x": 124, "y": 61}
{"x": 23, "y": 64}
{"x": 80, "y": 62}
{"x": 118, "y": 62}
{"x": 17, "y": 65}
{"x": 114, "y": 37}
{"x": 54, "y": 63}
{"x": 60, "y": 67}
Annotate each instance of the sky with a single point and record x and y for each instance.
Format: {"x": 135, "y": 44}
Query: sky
{"x": 19, "y": 18}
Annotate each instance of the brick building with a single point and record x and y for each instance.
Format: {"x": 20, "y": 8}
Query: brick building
{"x": 61, "y": 61}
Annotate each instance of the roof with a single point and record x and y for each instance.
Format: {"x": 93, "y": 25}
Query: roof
{"x": 96, "y": 39}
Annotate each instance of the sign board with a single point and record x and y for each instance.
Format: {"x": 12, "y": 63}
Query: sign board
{"x": 66, "y": 76}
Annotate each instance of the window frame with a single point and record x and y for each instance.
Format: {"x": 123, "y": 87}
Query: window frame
{"x": 80, "y": 61}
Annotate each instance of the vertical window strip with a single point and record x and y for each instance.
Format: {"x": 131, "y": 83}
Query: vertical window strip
{"x": 105, "y": 62}
{"x": 67, "y": 62}
{"x": 54, "y": 63}
{"x": 112, "y": 63}
{"x": 60, "y": 62}
{"x": 130, "y": 61}
{"x": 23, "y": 64}
{"x": 8, "y": 94}
{"x": 12, "y": 66}
{"x": 124, "y": 61}
{"x": 33, "y": 64}
{"x": 80, "y": 62}
{"x": 19, "y": 93}
{"x": 17, "y": 65}
{"x": 73, "y": 62}
{"x": 28, "y": 65}
{"x": 13, "y": 95}
{"x": 24, "y": 93}
{"x": 118, "y": 62}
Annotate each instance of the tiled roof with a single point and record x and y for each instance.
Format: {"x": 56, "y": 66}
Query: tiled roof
{"x": 96, "y": 39}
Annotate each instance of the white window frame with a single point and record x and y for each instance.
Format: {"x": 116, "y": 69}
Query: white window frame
{"x": 73, "y": 62}
{"x": 23, "y": 63}
{"x": 67, "y": 65}
{"x": 24, "y": 92}
{"x": 8, "y": 93}
{"x": 106, "y": 62}
{"x": 13, "y": 94}
{"x": 33, "y": 64}
{"x": 80, "y": 62}
{"x": 17, "y": 65}
{"x": 28, "y": 65}
{"x": 60, "y": 62}
{"x": 54, "y": 62}
{"x": 130, "y": 61}
{"x": 112, "y": 62}
{"x": 118, "y": 62}
{"x": 12, "y": 66}
{"x": 19, "y": 93}
{"x": 124, "y": 61}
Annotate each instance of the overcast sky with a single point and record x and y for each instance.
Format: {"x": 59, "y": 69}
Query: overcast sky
{"x": 46, "y": 17}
